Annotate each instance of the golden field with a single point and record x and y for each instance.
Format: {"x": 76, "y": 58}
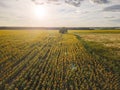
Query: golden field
{"x": 48, "y": 60}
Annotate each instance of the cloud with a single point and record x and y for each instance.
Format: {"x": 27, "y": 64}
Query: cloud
{"x": 2, "y": 4}
{"x": 109, "y": 17}
{"x": 38, "y": 3}
{"x": 113, "y": 8}
{"x": 116, "y": 20}
{"x": 75, "y": 3}
{"x": 58, "y": 2}
{"x": 66, "y": 10}
{"x": 99, "y": 1}
{"x": 3, "y": 17}
{"x": 54, "y": 0}
{"x": 41, "y": 2}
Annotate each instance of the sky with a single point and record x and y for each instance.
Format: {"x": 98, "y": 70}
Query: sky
{"x": 60, "y": 13}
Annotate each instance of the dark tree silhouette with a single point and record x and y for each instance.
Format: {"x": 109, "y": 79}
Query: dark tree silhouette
{"x": 63, "y": 30}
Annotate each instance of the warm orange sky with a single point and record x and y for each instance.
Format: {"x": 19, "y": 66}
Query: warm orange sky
{"x": 55, "y": 13}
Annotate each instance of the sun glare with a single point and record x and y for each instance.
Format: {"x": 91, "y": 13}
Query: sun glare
{"x": 40, "y": 12}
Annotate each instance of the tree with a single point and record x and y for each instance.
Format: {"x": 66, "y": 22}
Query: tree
{"x": 63, "y": 30}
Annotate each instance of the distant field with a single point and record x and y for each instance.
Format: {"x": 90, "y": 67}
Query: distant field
{"x": 96, "y": 31}
{"x": 48, "y": 60}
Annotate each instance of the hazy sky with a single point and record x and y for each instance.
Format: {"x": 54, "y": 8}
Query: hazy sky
{"x": 50, "y": 13}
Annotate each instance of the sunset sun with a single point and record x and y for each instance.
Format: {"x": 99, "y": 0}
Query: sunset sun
{"x": 40, "y": 12}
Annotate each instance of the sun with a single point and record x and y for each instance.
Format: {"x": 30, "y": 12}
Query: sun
{"x": 40, "y": 12}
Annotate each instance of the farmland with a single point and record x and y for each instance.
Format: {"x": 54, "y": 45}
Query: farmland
{"x": 48, "y": 60}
